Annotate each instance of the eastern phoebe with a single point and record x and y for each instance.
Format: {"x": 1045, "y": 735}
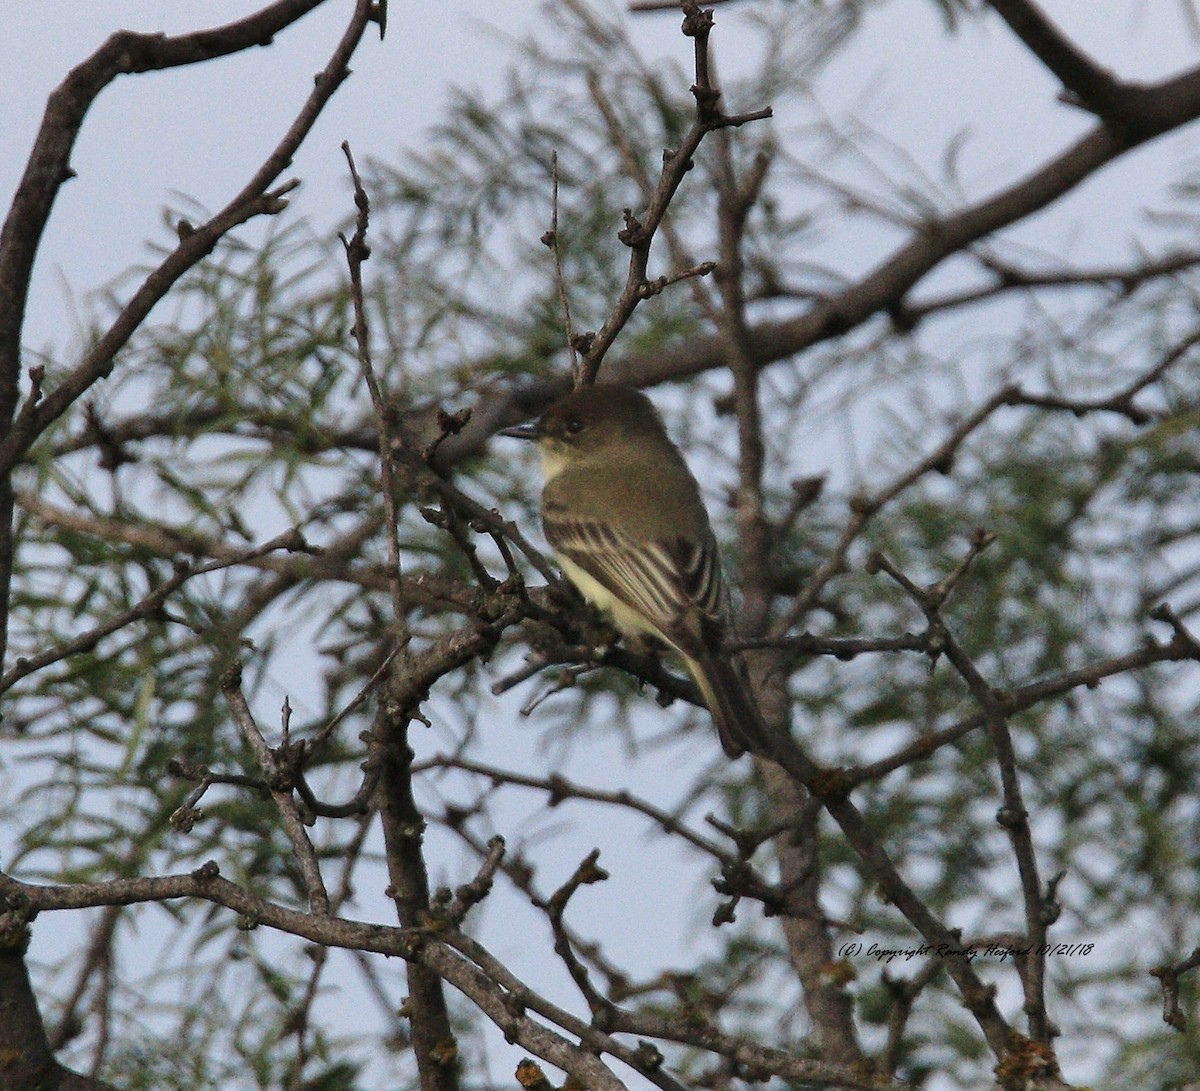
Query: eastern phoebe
{"x": 623, "y": 514}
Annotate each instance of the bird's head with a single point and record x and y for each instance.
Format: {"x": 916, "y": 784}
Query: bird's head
{"x": 593, "y": 426}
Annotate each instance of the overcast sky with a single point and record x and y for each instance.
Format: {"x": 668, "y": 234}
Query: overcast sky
{"x": 199, "y": 131}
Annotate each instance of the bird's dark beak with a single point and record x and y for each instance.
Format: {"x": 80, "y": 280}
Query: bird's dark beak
{"x": 528, "y": 430}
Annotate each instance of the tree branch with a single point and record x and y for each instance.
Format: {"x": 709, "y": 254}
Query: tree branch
{"x": 1089, "y": 85}
{"x": 1012, "y": 816}
{"x": 280, "y": 767}
{"x": 639, "y": 231}
{"x": 48, "y": 167}
{"x": 149, "y": 606}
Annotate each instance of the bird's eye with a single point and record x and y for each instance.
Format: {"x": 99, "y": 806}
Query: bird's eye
{"x": 574, "y": 426}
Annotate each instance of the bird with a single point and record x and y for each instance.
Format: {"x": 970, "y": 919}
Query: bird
{"x": 624, "y": 517}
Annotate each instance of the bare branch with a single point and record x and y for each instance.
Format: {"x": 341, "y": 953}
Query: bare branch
{"x": 587, "y": 872}
{"x": 639, "y": 231}
{"x": 125, "y": 51}
{"x": 357, "y": 252}
{"x": 332, "y": 562}
{"x": 49, "y": 166}
{"x": 1162, "y": 107}
{"x": 1119, "y": 279}
{"x": 1182, "y": 647}
{"x": 1089, "y": 85}
{"x": 863, "y": 508}
{"x": 1123, "y": 400}
{"x": 279, "y": 765}
{"x": 903, "y": 994}
{"x": 831, "y": 789}
{"x": 492, "y": 996}
{"x": 839, "y": 647}
{"x": 559, "y": 788}
{"x": 452, "y": 907}
{"x": 1013, "y": 816}
{"x": 550, "y": 239}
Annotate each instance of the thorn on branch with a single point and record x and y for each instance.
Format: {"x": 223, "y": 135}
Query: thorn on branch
{"x": 378, "y": 14}
{"x": 734, "y": 121}
{"x": 648, "y": 1055}
{"x": 272, "y": 203}
{"x": 634, "y": 232}
{"x": 37, "y": 375}
{"x": 449, "y": 910}
{"x": 877, "y": 562}
{"x": 903, "y": 318}
{"x": 1168, "y": 977}
{"x": 749, "y": 841}
{"x": 586, "y": 873}
{"x": 207, "y": 871}
{"x": 980, "y": 540}
{"x": 1051, "y": 906}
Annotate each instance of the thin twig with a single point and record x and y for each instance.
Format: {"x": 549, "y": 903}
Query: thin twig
{"x": 560, "y": 788}
{"x": 318, "y": 741}
{"x": 1023, "y": 697}
{"x": 587, "y": 872}
{"x": 551, "y": 239}
{"x": 1013, "y": 816}
{"x": 357, "y": 252}
{"x": 149, "y": 606}
{"x": 1168, "y": 977}
{"x": 126, "y": 51}
{"x": 278, "y": 765}
{"x": 639, "y": 231}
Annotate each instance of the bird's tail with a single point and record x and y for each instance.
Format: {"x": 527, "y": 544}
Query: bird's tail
{"x": 740, "y": 725}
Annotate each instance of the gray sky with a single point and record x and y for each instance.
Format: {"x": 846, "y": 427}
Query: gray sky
{"x": 199, "y": 131}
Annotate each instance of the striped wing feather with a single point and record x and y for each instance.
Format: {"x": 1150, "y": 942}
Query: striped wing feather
{"x": 669, "y": 581}
{"x": 676, "y": 585}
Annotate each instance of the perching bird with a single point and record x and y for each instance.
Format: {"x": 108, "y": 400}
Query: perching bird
{"x": 623, "y": 514}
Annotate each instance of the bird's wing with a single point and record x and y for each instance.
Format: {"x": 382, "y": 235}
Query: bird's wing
{"x": 673, "y": 582}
